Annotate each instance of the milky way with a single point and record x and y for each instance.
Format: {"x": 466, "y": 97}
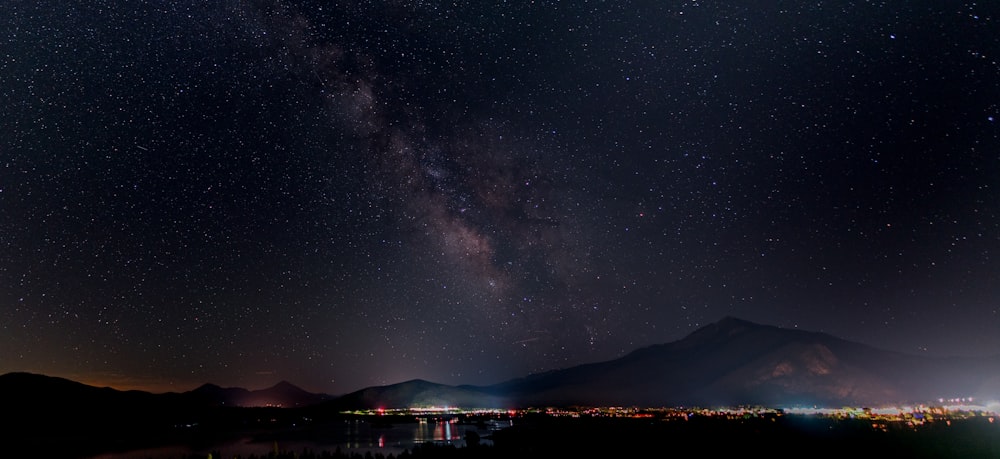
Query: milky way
{"x": 483, "y": 209}
{"x": 345, "y": 194}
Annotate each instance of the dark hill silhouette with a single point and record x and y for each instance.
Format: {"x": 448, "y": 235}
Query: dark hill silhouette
{"x": 733, "y": 362}
{"x": 34, "y": 403}
{"x": 80, "y": 421}
{"x": 283, "y": 394}
{"x": 730, "y": 362}
{"x": 413, "y": 393}
{"x": 68, "y": 419}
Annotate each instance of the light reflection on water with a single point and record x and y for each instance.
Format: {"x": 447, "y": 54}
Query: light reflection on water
{"x": 348, "y": 435}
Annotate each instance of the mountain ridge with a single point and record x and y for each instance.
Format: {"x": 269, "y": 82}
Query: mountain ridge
{"x": 735, "y": 361}
{"x": 732, "y": 361}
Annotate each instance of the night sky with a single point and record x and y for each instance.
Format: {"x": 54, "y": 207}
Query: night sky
{"x": 352, "y": 193}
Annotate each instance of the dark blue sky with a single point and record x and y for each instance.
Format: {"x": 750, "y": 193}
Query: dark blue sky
{"x": 346, "y": 194}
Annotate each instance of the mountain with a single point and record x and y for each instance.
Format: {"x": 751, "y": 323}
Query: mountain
{"x": 730, "y": 362}
{"x": 736, "y": 362}
{"x": 52, "y": 398}
{"x": 727, "y": 363}
{"x": 66, "y": 418}
{"x": 283, "y": 394}
{"x": 36, "y": 392}
{"x": 415, "y": 393}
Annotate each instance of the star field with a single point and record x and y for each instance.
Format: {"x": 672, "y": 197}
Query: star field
{"x": 345, "y": 194}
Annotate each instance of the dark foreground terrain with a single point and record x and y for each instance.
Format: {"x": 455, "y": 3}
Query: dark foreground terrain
{"x": 786, "y": 436}
{"x": 545, "y": 436}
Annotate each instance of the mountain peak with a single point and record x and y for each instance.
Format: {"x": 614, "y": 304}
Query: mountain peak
{"x": 733, "y": 321}
{"x": 285, "y": 386}
{"x": 208, "y": 387}
{"x": 726, "y": 327}
{"x": 735, "y": 361}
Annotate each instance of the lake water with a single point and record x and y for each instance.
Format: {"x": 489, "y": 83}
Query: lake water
{"x": 349, "y": 435}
